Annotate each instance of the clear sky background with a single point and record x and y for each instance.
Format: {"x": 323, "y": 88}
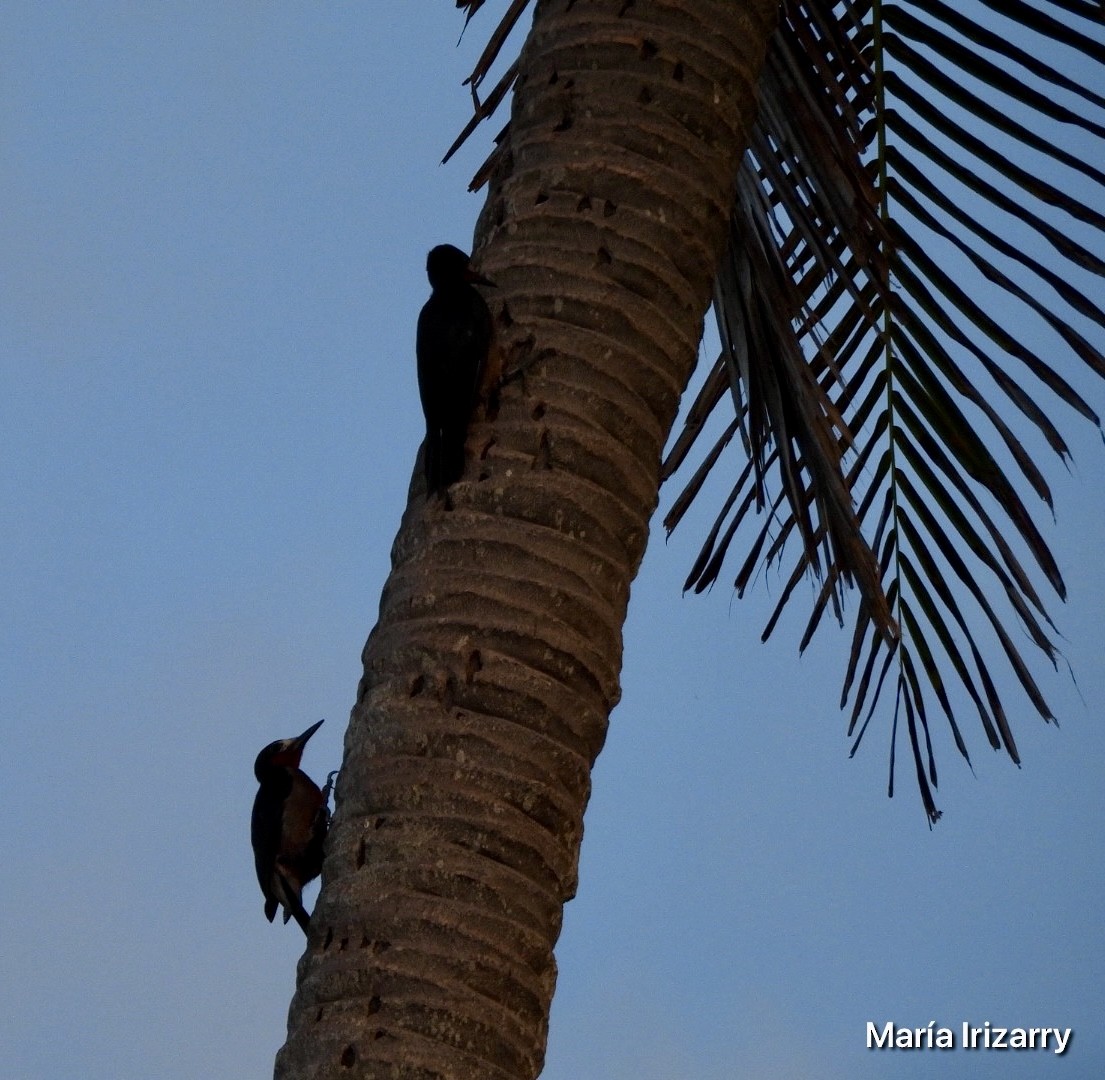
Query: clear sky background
{"x": 213, "y": 227}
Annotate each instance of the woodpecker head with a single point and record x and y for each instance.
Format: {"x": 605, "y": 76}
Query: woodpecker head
{"x": 447, "y": 265}
{"x": 284, "y": 753}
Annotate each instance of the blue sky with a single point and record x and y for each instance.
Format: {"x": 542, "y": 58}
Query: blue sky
{"x": 214, "y": 231}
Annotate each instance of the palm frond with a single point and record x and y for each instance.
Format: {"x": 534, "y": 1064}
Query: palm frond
{"x": 932, "y": 139}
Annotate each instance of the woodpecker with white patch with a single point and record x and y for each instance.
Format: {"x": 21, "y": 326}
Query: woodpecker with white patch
{"x": 291, "y": 816}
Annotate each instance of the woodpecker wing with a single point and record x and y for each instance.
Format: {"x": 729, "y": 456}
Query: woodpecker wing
{"x": 454, "y": 333}
{"x": 451, "y": 345}
{"x": 288, "y": 829}
{"x": 266, "y": 832}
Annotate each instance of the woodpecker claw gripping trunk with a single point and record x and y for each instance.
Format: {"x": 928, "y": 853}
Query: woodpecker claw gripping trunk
{"x": 490, "y": 675}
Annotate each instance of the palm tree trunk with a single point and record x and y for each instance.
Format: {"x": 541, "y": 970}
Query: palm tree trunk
{"x": 490, "y": 676}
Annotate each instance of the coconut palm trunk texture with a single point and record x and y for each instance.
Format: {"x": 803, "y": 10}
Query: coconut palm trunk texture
{"x": 491, "y": 674}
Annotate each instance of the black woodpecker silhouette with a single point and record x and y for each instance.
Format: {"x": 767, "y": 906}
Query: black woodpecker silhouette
{"x": 452, "y": 346}
{"x": 290, "y": 819}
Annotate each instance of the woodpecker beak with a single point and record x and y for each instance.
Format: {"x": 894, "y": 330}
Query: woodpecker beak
{"x": 301, "y": 740}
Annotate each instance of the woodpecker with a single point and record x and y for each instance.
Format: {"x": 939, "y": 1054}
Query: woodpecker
{"x": 290, "y": 819}
{"x": 452, "y": 347}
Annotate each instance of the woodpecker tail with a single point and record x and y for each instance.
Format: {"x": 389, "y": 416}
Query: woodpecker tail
{"x": 443, "y": 457}
{"x": 431, "y": 461}
{"x": 452, "y": 454}
{"x": 291, "y": 899}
